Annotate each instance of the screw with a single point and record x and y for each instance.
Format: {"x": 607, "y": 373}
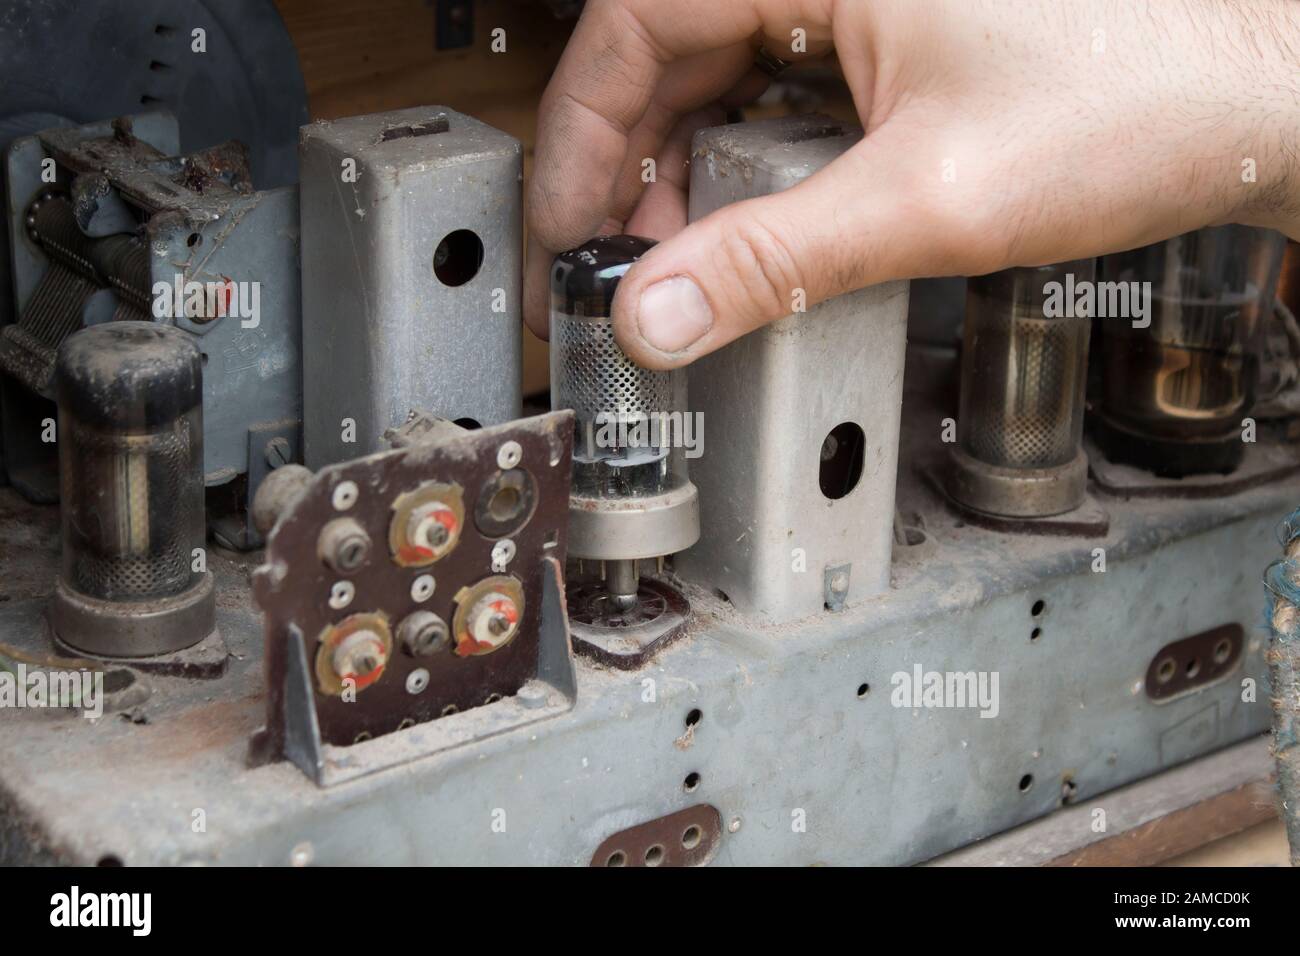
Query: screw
{"x": 343, "y": 545}
{"x": 494, "y": 619}
{"x": 424, "y": 530}
{"x": 358, "y": 655}
{"x": 423, "y": 633}
{"x": 278, "y": 453}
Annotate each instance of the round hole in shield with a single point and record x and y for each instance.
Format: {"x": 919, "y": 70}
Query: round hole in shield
{"x": 841, "y": 460}
{"x": 458, "y": 257}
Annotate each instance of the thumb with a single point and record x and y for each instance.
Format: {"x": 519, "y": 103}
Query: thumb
{"x": 759, "y": 260}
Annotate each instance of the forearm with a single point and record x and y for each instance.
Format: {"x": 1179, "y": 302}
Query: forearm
{"x": 1260, "y": 45}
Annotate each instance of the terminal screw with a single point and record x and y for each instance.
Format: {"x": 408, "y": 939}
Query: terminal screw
{"x": 361, "y": 657}
{"x": 423, "y": 633}
{"x": 343, "y": 545}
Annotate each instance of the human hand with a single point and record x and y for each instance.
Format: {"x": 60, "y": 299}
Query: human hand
{"x": 997, "y": 134}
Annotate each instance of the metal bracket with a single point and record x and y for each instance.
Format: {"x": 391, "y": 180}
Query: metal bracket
{"x": 302, "y": 744}
{"x": 835, "y": 582}
{"x": 270, "y": 445}
{"x": 553, "y": 692}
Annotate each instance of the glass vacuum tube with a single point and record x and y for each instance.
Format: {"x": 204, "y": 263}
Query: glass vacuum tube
{"x": 1177, "y": 382}
{"x": 631, "y": 498}
{"x": 1024, "y": 368}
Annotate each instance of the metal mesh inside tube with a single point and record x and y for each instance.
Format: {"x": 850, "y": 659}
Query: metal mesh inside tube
{"x": 591, "y": 374}
{"x": 1022, "y": 389}
{"x": 137, "y": 522}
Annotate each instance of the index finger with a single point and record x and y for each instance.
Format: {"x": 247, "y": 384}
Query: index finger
{"x": 604, "y": 85}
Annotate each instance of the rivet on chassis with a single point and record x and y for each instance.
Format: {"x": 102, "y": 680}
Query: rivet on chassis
{"x": 417, "y": 681}
{"x": 509, "y": 455}
{"x": 345, "y": 495}
{"x": 341, "y": 594}
{"x": 422, "y": 588}
{"x": 503, "y": 552}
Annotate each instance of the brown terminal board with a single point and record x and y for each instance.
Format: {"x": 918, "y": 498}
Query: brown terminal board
{"x": 688, "y": 837}
{"x": 1194, "y": 661}
{"x": 300, "y": 594}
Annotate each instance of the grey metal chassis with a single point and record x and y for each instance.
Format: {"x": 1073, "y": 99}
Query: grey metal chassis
{"x": 801, "y": 767}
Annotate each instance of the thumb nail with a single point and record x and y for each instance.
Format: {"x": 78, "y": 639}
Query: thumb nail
{"x": 674, "y": 314}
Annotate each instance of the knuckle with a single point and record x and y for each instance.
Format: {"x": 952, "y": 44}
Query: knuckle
{"x": 971, "y": 229}
{"x": 763, "y": 266}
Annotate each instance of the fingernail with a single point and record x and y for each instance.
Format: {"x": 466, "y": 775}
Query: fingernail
{"x": 674, "y": 314}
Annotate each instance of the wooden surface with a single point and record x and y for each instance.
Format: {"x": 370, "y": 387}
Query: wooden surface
{"x": 1147, "y": 822}
{"x": 365, "y": 56}
{"x": 1264, "y": 844}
